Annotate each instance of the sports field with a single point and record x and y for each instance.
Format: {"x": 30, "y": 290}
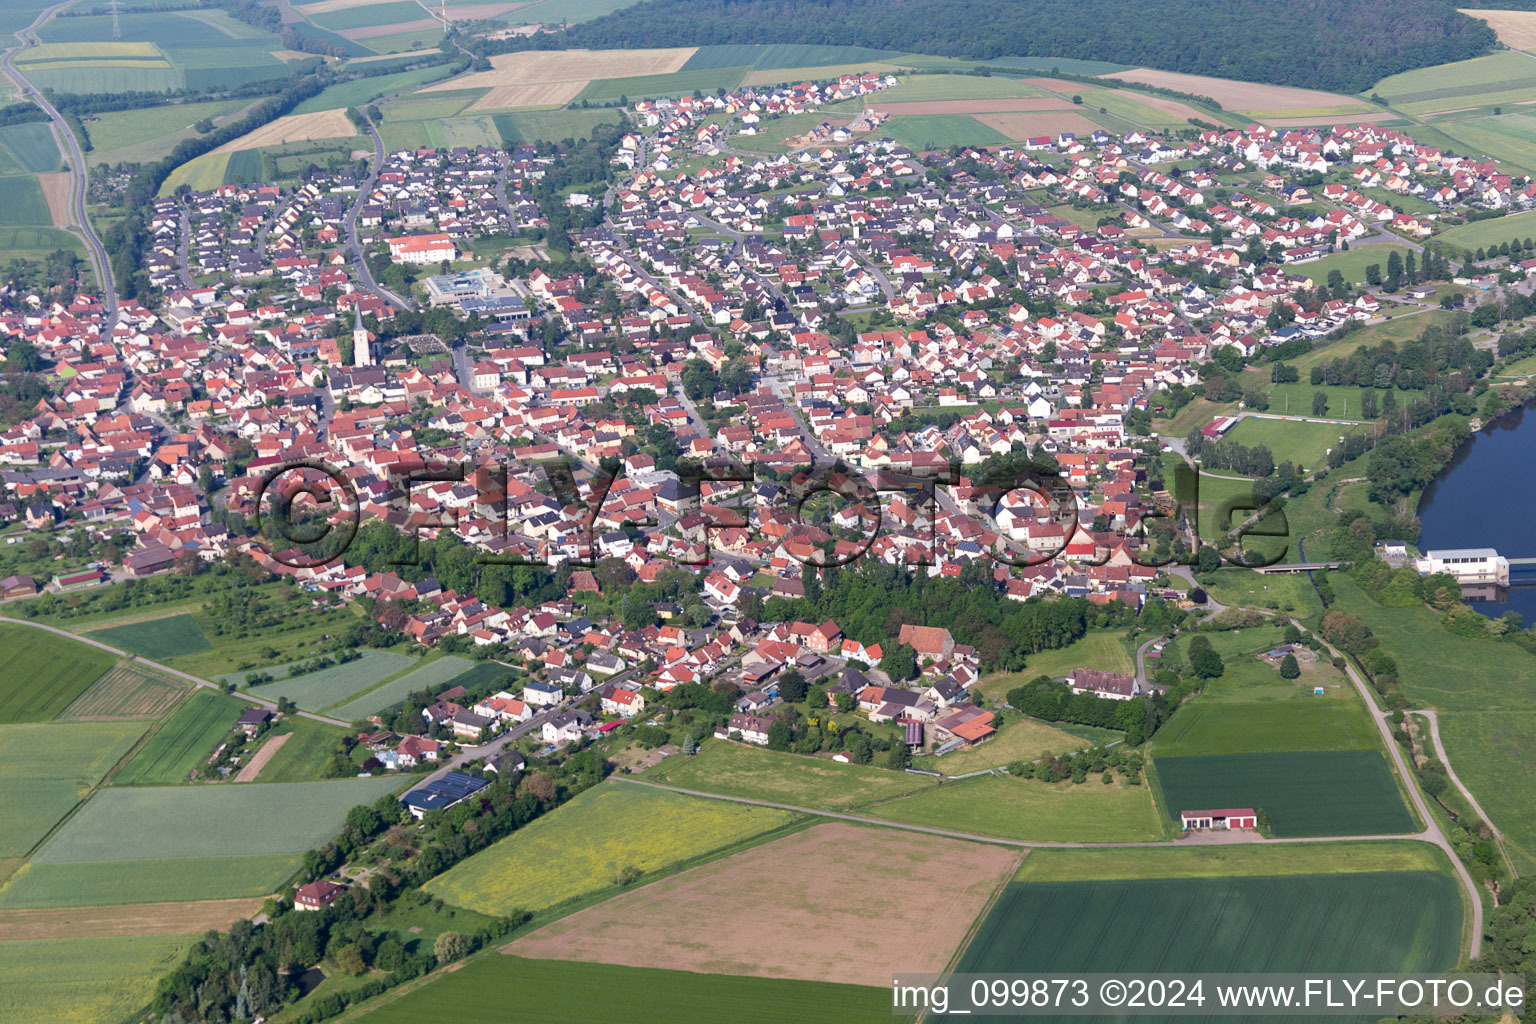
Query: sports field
{"x": 1373, "y": 921}
{"x": 556, "y": 992}
{"x": 184, "y": 742}
{"x": 157, "y": 639}
{"x": 583, "y": 846}
{"x": 1312, "y": 793}
{"x": 44, "y": 672}
{"x": 126, "y": 691}
{"x": 75, "y": 979}
{"x": 426, "y": 676}
{"x": 740, "y": 769}
{"x": 1027, "y": 809}
{"x": 315, "y": 690}
{"x": 46, "y": 769}
{"x": 208, "y": 821}
{"x": 745, "y": 915}
{"x": 158, "y": 880}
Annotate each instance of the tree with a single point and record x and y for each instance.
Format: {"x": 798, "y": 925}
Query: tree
{"x": 1319, "y": 403}
{"x": 792, "y": 687}
{"x": 349, "y": 960}
{"x": 898, "y": 758}
{"x": 637, "y": 613}
{"x": 900, "y": 663}
{"x": 698, "y": 379}
{"x": 780, "y": 736}
{"x": 451, "y": 946}
{"x": 1288, "y": 667}
{"x": 1209, "y": 559}
{"x": 1203, "y": 659}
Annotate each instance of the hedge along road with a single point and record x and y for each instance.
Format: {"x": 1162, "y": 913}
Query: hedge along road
{"x": 270, "y": 705}
{"x": 77, "y": 169}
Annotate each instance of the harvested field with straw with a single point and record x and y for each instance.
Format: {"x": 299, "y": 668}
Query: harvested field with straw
{"x": 1028, "y": 125}
{"x": 324, "y": 124}
{"x": 1235, "y": 95}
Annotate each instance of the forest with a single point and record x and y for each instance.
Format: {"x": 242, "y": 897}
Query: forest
{"x": 1342, "y": 45}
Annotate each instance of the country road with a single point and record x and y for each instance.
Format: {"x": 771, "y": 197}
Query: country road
{"x": 270, "y": 705}
{"x": 78, "y": 173}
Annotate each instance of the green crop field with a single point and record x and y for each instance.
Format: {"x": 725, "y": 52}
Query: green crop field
{"x": 369, "y": 15}
{"x": 739, "y": 769}
{"x": 33, "y": 146}
{"x": 244, "y": 166}
{"x": 561, "y": 992}
{"x": 960, "y": 87}
{"x": 1265, "y": 727}
{"x": 1509, "y": 138}
{"x": 46, "y": 769}
{"x": 125, "y": 76}
{"x": 1101, "y": 650}
{"x": 22, "y": 202}
{"x": 427, "y": 106}
{"x": 360, "y": 91}
{"x": 1314, "y": 793}
{"x": 37, "y": 242}
{"x": 1296, "y": 441}
{"x": 127, "y": 690}
{"x": 315, "y": 690}
{"x": 484, "y": 674}
{"x": 184, "y": 742}
{"x": 1244, "y": 860}
{"x": 1374, "y": 921}
{"x": 678, "y": 83}
{"x": 44, "y": 672}
{"x": 158, "y": 639}
{"x": 159, "y": 880}
{"x": 427, "y": 676}
{"x": 208, "y": 821}
{"x": 1494, "y": 231}
{"x": 1488, "y": 749}
{"x": 940, "y": 131}
{"x": 1480, "y": 73}
{"x": 84, "y": 980}
{"x": 578, "y": 848}
{"x": 550, "y": 125}
{"x": 1026, "y": 809}
{"x": 203, "y": 174}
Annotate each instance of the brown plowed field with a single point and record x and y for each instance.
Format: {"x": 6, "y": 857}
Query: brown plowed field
{"x": 133, "y": 919}
{"x": 1024, "y": 125}
{"x": 1239, "y": 96}
{"x": 837, "y": 902}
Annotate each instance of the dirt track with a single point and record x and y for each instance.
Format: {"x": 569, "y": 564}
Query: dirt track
{"x": 909, "y": 904}
{"x": 258, "y": 761}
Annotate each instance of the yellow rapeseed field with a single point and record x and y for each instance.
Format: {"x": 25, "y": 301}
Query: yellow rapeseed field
{"x": 600, "y": 839}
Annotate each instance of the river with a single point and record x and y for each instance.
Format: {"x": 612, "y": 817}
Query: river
{"x": 1483, "y": 500}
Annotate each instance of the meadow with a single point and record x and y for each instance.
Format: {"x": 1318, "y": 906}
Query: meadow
{"x": 1030, "y": 810}
{"x": 47, "y": 769}
{"x": 208, "y": 821}
{"x": 157, "y": 880}
{"x": 44, "y": 672}
{"x": 126, "y": 691}
{"x": 582, "y": 846}
{"x": 1488, "y": 749}
{"x": 306, "y": 755}
{"x": 94, "y": 979}
{"x": 148, "y": 132}
{"x": 740, "y": 769}
{"x": 333, "y": 685}
{"x": 1294, "y": 398}
{"x": 1351, "y": 263}
{"x": 1494, "y": 231}
{"x": 1304, "y": 793}
{"x": 184, "y": 741}
{"x": 550, "y": 125}
{"x": 1287, "y": 592}
{"x": 158, "y": 639}
{"x": 940, "y": 131}
{"x": 1021, "y": 739}
{"x": 360, "y": 91}
{"x": 1102, "y": 650}
{"x": 428, "y": 675}
{"x": 1249, "y": 860}
{"x": 561, "y": 992}
{"x": 1369, "y": 921}
{"x": 36, "y": 243}
{"x": 677, "y": 83}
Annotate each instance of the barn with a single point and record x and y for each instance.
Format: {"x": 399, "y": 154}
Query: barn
{"x": 1234, "y": 817}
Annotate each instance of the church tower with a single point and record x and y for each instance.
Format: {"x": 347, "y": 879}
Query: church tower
{"x": 360, "y": 354}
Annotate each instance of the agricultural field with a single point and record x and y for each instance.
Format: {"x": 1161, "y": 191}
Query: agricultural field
{"x": 428, "y": 674}
{"x": 360, "y": 91}
{"x": 781, "y": 56}
{"x": 1311, "y": 793}
{"x": 1249, "y": 860}
{"x": 585, "y": 846}
{"x": 1509, "y": 138}
{"x": 85, "y": 979}
{"x": 200, "y": 49}
{"x": 45, "y": 672}
{"x": 1493, "y": 231}
{"x": 305, "y": 754}
{"x": 127, "y": 691}
{"x": 33, "y": 146}
{"x": 202, "y": 174}
{"x": 679, "y": 83}
{"x": 314, "y": 690}
{"x": 1030, "y": 810}
{"x": 1515, "y": 29}
{"x": 960, "y": 87}
{"x": 1249, "y": 97}
{"x": 486, "y": 672}
{"x": 1103, "y": 650}
{"x": 744, "y": 915}
{"x": 940, "y": 131}
{"x": 1287, "y": 723}
{"x": 159, "y": 639}
{"x": 208, "y": 821}
{"x": 445, "y": 133}
{"x": 740, "y": 769}
{"x": 22, "y": 202}
{"x": 306, "y": 126}
{"x": 1304, "y": 443}
{"x": 184, "y": 741}
{"x": 547, "y": 991}
{"x": 338, "y": 18}
{"x": 47, "y": 769}
{"x": 540, "y": 67}
{"x": 1462, "y": 85}
{"x": 1367, "y": 921}
{"x": 133, "y": 919}
{"x": 36, "y": 243}
{"x": 550, "y": 125}
{"x": 158, "y": 880}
